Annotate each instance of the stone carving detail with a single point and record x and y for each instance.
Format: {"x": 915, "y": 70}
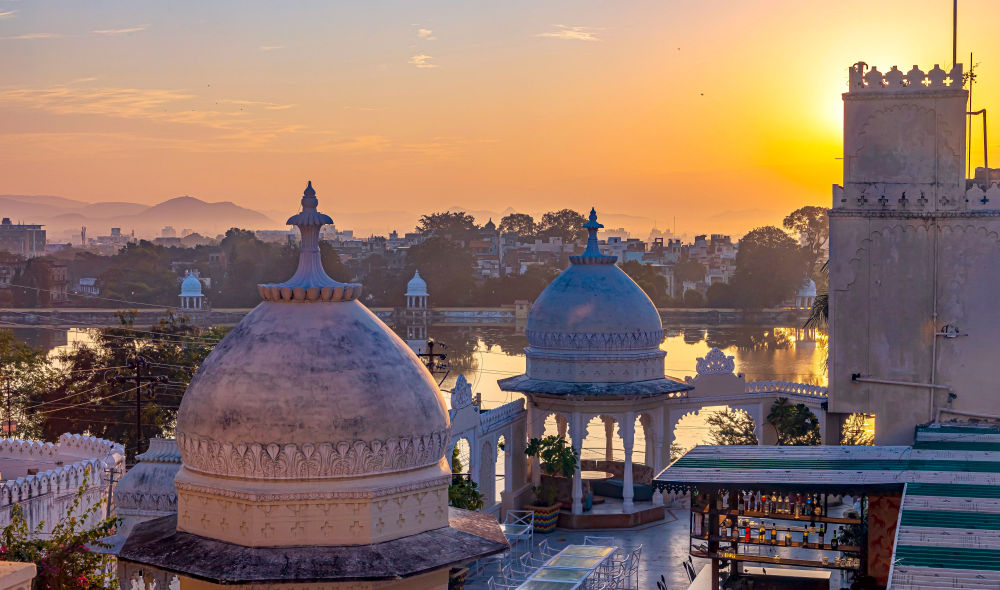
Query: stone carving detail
{"x": 461, "y": 394}
{"x": 595, "y": 341}
{"x": 716, "y": 363}
{"x": 291, "y": 461}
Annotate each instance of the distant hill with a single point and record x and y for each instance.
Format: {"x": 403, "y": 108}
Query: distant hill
{"x": 64, "y": 217}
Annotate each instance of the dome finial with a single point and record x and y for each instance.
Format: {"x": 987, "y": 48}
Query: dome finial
{"x": 592, "y": 255}
{"x": 310, "y": 281}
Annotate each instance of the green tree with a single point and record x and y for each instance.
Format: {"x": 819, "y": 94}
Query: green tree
{"x": 812, "y": 225}
{"x": 140, "y": 272}
{"x": 795, "y": 425}
{"x": 770, "y": 268}
{"x": 693, "y": 298}
{"x": 731, "y": 427}
{"x": 23, "y": 369}
{"x": 649, "y": 279}
{"x": 857, "y": 430}
{"x": 509, "y": 288}
{"x": 64, "y": 558}
{"x": 565, "y": 223}
{"x": 82, "y": 399}
{"x": 720, "y": 295}
{"x": 448, "y": 267}
{"x": 456, "y": 225}
{"x": 521, "y": 224}
{"x": 689, "y": 270}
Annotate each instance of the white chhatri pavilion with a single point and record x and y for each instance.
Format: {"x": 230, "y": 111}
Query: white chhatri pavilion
{"x": 416, "y": 292}
{"x": 191, "y": 295}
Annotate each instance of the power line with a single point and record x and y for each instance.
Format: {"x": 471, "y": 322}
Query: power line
{"x": 86, "y": 296}
{"x": 127, "y": 329}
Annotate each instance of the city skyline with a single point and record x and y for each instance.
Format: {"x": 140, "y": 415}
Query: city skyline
{"x": 725, "y": 116}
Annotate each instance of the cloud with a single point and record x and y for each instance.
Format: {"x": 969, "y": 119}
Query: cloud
{"x": 33, "y": 36}
{"x": 134, "y": 29}
{"x": 422, "y": 61}
{"x": 271, "y": 106}
{"x": 8, "y": 14}
{"x": 426, "y": 34}
{"x": 572, "y": 33}
{"x": 271, "y": 47}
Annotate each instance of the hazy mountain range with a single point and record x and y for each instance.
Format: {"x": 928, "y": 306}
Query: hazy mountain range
{"x": 64, "y": 217}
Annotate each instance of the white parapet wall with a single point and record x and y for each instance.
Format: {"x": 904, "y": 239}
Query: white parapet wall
{"x": 45, "y": 477}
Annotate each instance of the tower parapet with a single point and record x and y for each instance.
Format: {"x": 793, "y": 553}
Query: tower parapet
{"x": 914, "y": 80}
{"x": 904, "y": 140}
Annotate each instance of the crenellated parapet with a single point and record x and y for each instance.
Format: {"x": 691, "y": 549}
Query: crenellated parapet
{"x": 862, "y": 79}
{"x": 76, "y": 459}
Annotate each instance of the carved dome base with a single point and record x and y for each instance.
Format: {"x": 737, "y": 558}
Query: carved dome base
{"x": 359, "y": 511}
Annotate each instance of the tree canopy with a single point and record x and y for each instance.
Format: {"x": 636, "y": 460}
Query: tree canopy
{"x": 770, "y": 268}
{"x": 456, "y": 225}
{"x": 731, "y": 427}
{"x": 812, "y": 225}
{"x": 689, "y": 270}
{"x": 565, "y": 223}
{"x": 448, "y": 267}
{"x": 521, "y": 224}
{"x": 795, "y": 425}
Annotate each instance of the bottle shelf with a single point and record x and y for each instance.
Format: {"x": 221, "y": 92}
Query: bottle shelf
{"x": 785, "y": 517}
{"x": 741, "y": 541}
{"x": 773, "y": 560}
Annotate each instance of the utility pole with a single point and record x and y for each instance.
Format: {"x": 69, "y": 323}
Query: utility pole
{"x": 139, "y": 365}
{"x": 431, "y": 360}
{"x": 954, "y": 33}
{"x": 112, "y": 473}
{"x": 7, "y": 426}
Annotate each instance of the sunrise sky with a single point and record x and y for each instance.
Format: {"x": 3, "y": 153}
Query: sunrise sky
{"x": 724, "y": 114}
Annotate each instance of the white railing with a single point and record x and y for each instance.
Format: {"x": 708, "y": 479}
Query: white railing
{"x": 500, "y": 416}
{"x": 786, "y": 387}
{"x": 45, "y": 496}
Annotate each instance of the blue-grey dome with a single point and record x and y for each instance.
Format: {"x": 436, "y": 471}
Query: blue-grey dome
{"x": 593, "y": 330}
{"x": 594, "y": 307}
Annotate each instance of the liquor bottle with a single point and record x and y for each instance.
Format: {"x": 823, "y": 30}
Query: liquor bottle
{"x": 774, "y": 534}
{"x": 774, "y": 502}
{"x": 746, "y": 533}
{"x": 761, "y": 533}
{"x": 788, "y": 504}
{"x": 765, "y": 503}
{"x": 756, "y": 502}
{"x": 740, "y": 505}
{"x": 817, "y": 506}
{"x": 809, "y": 505}
{"x": 805, "y": 537}
{"x": 834, "y": 543}
{"x": 822, "y": 534}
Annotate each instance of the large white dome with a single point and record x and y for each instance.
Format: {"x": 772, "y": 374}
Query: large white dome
{"x": 313, "y": 401}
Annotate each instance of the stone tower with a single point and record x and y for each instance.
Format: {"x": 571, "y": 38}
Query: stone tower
{"x": 915, "y": 258}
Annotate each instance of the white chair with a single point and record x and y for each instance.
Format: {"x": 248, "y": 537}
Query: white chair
{"x": 606, "y": 541}
{"x": 631, "y": 568}
{"x": 522, "y": 518}
{"x": 547, "y": 551}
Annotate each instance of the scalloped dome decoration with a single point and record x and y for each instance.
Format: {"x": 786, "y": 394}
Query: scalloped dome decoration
{"x": 310, "y": 283}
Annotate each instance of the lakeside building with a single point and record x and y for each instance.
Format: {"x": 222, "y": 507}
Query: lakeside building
{"x": 25, "y": 239}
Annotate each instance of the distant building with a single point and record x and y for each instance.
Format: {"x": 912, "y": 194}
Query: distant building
{"x": 168, "y": 232}
{"x": 58, "y": 284}
{"x": 88, "y": 286}
{"x": 23, "y": 239}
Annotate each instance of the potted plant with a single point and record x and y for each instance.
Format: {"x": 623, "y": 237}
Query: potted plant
{"x": 557, "y": 459}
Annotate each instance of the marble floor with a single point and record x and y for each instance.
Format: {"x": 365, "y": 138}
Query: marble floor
{"x": 664, "y": 547}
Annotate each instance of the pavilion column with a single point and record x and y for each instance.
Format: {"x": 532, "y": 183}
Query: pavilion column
{"x": 647, "y": 454}
{"x": 577, "y": 432}
{"x": 609, "y": 435}
{"x": 626, "y": 429}
{"x": 658, "y": 438}
{"x": 536, "y": 427}
{"x": 561, "y": 425}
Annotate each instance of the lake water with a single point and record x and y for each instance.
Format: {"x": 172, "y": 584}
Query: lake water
{"x": 485, "y": 354}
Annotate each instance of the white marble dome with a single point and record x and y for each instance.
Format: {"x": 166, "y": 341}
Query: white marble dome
{"x": 417, "y": 286}
{"x": 594, "y": 324}
{"x": 191, "y": 286}
{"x": 311, "y": 399}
